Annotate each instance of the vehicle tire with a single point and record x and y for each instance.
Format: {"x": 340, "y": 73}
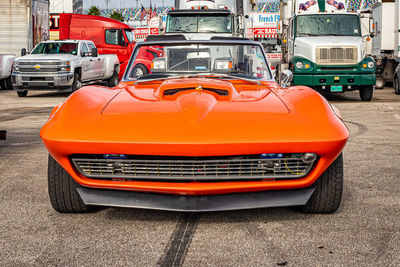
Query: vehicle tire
{"x": 8, "y": 84}
{"x": 380, "y": 83}
{"x": 328, "y": 190}
{"x": 77, "y": 82}
{"x": 62, "y": 190}
{"x": 2, "y": 85}
{"x": 22, "y": 93}
{"x": 396, "y": 85}
{"x": 366, "y": 92}
{"x": 113, "y": 81}
{"x": 139, "y": 70}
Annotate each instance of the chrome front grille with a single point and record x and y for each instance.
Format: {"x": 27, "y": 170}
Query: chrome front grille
{"x": 39, "y": 66}
{"x": 252, "y": 167}
{"x": 337, "y": 55}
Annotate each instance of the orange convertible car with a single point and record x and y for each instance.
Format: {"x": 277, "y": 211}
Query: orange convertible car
{"x": 207, "y": 129}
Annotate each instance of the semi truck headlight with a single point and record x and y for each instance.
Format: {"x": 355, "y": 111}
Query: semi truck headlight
{"x": 371, "y": 65}
{"x": 299, "y": 65}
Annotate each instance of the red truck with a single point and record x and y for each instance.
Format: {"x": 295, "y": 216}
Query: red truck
{"x": 110, "y": 36}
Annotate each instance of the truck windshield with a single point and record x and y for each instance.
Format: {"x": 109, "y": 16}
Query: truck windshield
{"x": 56, "y": 48}
{"x": 130, "y": 35}
{"x": 323, "y": 25}
{"x": 245, "y": 61}
{"x": 210, "y": 23}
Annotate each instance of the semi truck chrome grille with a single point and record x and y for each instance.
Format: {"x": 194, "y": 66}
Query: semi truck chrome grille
{"x": 336, "y": 55}
{"x": 249, "y": 167}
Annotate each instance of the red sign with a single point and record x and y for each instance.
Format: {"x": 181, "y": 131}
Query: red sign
{"x": 265, "y": 31}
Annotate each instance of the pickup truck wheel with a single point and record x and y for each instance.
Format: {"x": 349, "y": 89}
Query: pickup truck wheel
{"x": 139, "y": 70}
{"x": 77, "y": 82}
{"x": 22, "y": 93}
{"x": 328, "y": 190}
{"x": 366, "y": 92}
{"x": 62, "y": 190}
{"x": 8, "y": 84}
{"x": 396, "y": 85}
{"x": 113, "y": 81}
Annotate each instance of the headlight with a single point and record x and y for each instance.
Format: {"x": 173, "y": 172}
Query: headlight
{"x": 371, "y": 65}
{"x": 299, "y": 65}
{"x": 15, "y": 68}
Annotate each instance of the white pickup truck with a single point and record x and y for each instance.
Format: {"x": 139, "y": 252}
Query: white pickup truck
{"x": 63, "y": 65}
{"x": 6, "y": 63}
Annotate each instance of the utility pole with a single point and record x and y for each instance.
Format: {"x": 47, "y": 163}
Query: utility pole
{"x": 137, "y": 3}
{"x": 107, "y": 3}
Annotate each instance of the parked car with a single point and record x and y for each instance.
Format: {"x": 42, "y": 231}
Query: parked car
{"x": 208, "y": 129}
{"x": 63, "y": 65}
{"x": 6, "y": 63}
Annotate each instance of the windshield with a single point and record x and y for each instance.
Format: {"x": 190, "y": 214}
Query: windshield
{"x": 55, "y": 48}
{"x": 241, "y": 60}
{"x": 323, "y": 25}
{"x": 130, "y": 35}
{"x": 211, "y": 23}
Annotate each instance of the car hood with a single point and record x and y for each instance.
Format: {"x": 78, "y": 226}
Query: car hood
{"x": 148, "y": 117}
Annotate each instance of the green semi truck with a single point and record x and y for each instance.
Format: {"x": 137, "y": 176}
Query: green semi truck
{"x": 322, "y": 45}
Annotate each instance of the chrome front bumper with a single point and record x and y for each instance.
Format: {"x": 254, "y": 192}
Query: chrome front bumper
{"x": 42, "y": 81}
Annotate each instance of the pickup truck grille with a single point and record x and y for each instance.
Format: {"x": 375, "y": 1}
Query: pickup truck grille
{"x": 233, "y": 168}
{"x": 39, "y": 66}
{"x": 337, "y": 55}
{"x": 41, "y": 70}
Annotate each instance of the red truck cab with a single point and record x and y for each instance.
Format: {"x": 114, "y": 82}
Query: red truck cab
{"x": 110, "y": 36}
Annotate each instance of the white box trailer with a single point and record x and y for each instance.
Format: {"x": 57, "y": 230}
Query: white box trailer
{"x": 384, "y": 46}
{"x": 24, "y": 23}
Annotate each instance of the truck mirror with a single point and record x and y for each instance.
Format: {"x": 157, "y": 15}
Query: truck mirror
{"x": 372, "y": 35}
{"x": 278, "y": 41}
{"x": 286, "y": 78}
{"x": 83, "y": 54}
{"x": 23, "y": 52}
{"x": 94, "y": 52}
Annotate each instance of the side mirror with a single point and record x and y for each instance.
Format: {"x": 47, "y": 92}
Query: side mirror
{"x": 94, "y": 52}
{"x": 286, "y": 78}
{"x": 23, "y": 52}
{"x": 372, "y": 35}
{"x": 279, "y": 41}
{"x": 83, "y": 54}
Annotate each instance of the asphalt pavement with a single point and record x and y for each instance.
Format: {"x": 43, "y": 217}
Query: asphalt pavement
{"x": 364, "y": 232}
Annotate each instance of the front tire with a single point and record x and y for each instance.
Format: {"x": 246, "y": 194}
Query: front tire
{"x": 366, "y": 92}
{"x": 328, "y": 190}
{"x": 396, "y": 85}
{"x": 139, "y": 70}
{"x": 77, "y": 82}
{"x": 22, "y": 93}
{"x": 62, "y": 190}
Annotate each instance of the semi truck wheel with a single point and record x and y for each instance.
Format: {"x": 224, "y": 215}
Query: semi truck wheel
{"x": 22, "y": 93}
{"x": 62, "y": 190}
{"x": 396, "y": 85}
{"x": 139, "y": 70}
{"x": 366, "y": 92}
{"x": 328, "y": 190}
